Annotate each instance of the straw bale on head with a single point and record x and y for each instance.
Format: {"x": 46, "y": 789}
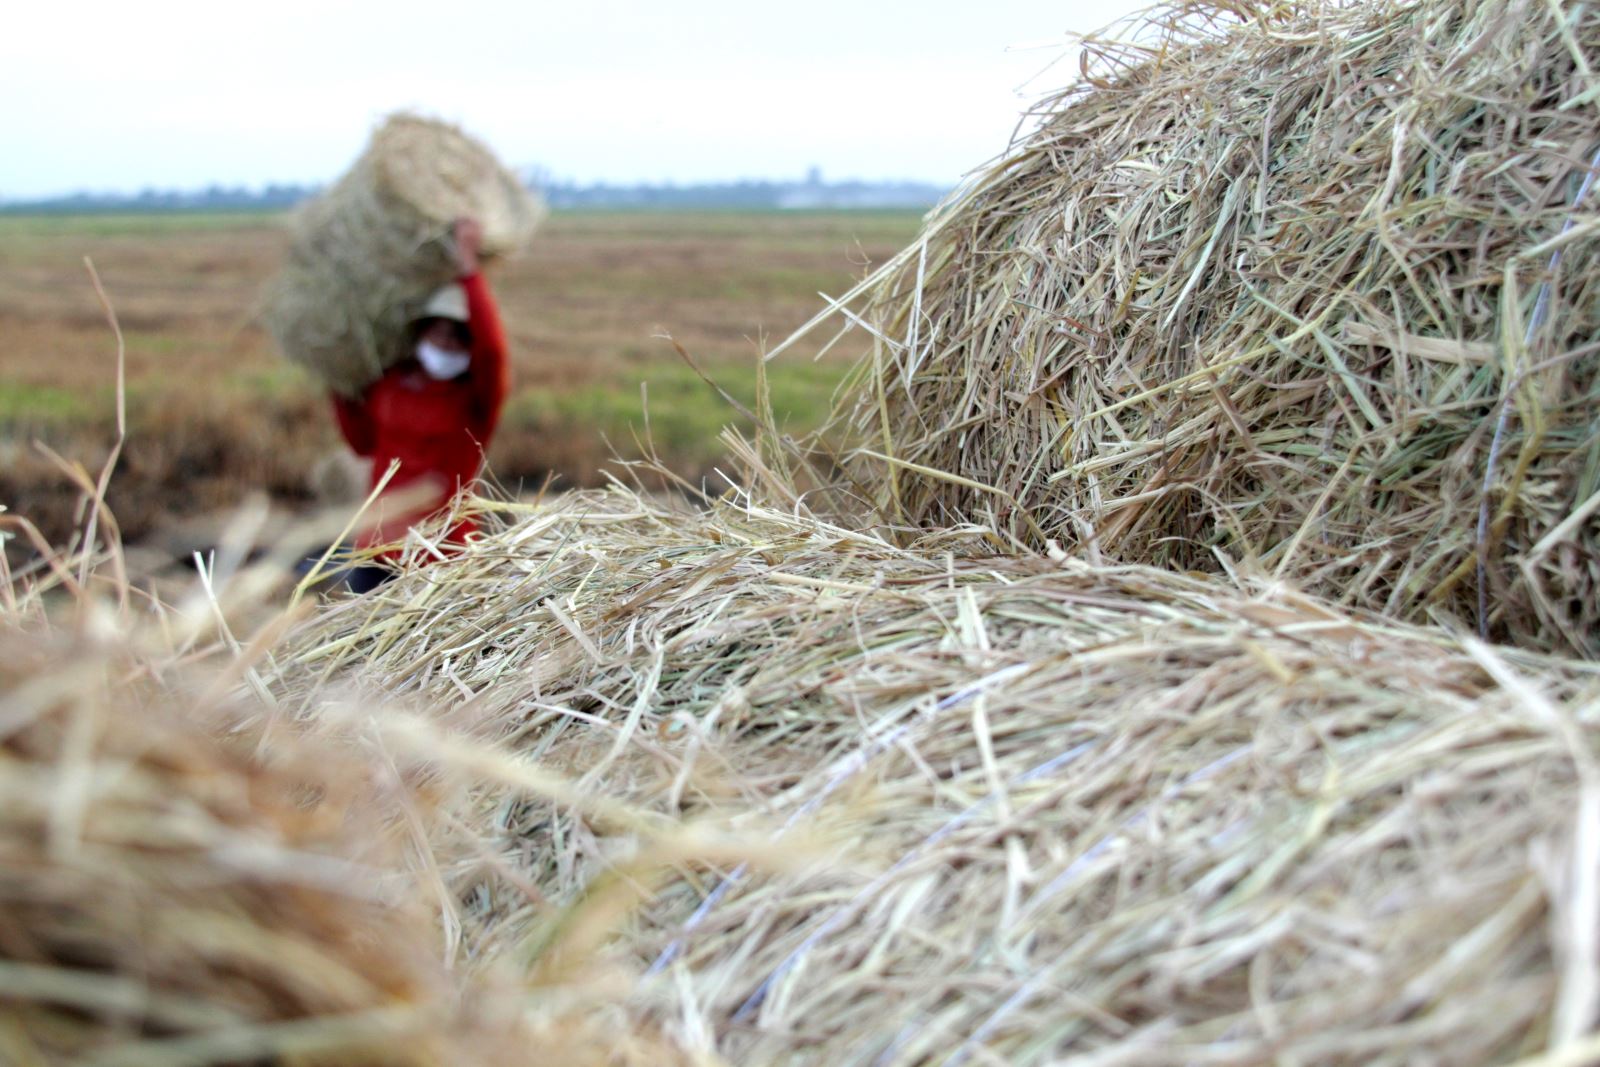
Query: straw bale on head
{"x": 365, "y": 256}
{"x": 1311, "y": 288}
{"x": 1062, "y": 811}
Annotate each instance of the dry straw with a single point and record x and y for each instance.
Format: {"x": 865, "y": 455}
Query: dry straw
{"x": 365, "y": 256}
{"x": 1041, "y": 810}
{"x": 193, "y": 874}
{"x": 175, "y": 889}
{"x": 1310, "y": 289}
{"x": 1024, "y": 808}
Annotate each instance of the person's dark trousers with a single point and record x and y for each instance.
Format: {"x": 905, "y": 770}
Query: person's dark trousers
{"x": 368, "y": 576}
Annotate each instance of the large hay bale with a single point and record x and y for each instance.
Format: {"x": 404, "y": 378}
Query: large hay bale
{"x": 365, "y": 256}
{"x": 1306, "y": 288}
{"x": 1065, "y": 813}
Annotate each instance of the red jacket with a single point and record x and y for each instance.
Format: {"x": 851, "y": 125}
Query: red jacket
{"x": 437, "y": 430}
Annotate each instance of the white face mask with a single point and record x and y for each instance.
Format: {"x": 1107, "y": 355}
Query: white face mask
{"x": 442, "y": 364}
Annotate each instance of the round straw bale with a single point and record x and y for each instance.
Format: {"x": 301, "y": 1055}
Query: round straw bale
{"x": 365, "y": 256}
{"x": 1308, "y": 289}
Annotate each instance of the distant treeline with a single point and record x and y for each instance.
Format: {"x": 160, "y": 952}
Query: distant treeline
{"x": 212, "y": 198}
{"x": 753, "y": 195}
{"x": 750, "y": 194}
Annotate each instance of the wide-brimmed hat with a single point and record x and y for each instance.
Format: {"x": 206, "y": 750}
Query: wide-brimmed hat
{"x": 449, "y": 302}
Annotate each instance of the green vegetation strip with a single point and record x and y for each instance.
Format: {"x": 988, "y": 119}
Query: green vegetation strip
{"x": 684, "y": 416}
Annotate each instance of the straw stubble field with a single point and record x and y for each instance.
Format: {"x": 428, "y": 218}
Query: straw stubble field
{"x": 216, "y": 414}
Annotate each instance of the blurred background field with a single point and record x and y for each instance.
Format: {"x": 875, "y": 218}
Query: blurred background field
{"x": 215, "y": 414}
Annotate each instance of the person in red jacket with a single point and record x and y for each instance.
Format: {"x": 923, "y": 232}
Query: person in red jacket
{"x": 435, "y": 411}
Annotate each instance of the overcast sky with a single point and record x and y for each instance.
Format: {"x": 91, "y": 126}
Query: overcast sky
{"x": 179, "y": 93}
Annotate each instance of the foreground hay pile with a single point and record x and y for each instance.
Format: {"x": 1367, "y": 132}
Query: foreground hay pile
{"x": 175, "y": 890}
{"x": 1033, "y": 809}
{"x": 1307, "y": 289}
{"x": 365, "y": 256}
{"x": 189, "y": 876}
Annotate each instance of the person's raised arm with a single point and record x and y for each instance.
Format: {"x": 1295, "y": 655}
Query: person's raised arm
{"x": 490, "y": 374}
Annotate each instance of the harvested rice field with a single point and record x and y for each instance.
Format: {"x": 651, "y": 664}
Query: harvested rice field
{"x": 216, "y": 414}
